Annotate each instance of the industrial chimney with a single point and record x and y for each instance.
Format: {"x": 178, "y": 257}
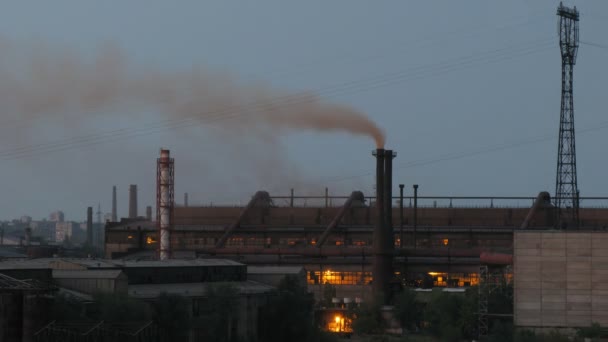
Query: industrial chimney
{"x": 149, "y": 213}
{"x": 185, "y": 199}
{"x": 28, "y": 236}
{"x": 164, "y": 201}
{"x": 383, "y": 237}
{"x": 89, "y": 226}
{"x": 114, "y": 214}
{"x": 132, "y": 201}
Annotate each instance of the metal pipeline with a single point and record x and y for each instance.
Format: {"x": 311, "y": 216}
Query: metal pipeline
{"x": 355, "y": 195}
{"x": 543, "y": 200}
{"x": 260, "y": 195}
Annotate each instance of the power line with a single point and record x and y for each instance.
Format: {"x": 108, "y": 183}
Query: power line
{"x": 467, "y": 154}
{"x": 237, "y": 111}
{"x": 601, "y": 46}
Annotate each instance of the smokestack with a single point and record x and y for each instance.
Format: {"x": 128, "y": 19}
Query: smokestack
{"x": 114, "y": 214}
{"x": 132, "y": 201}
{"x": 388, "y": 194}
{"x": 381, "y": 260}
{"x": 89, "y": 226}
{"x": 165, "y": 201}
{"x": 185, "y": 199}
{"x": 28, "y": 236}
{"x": 149, "y": 213}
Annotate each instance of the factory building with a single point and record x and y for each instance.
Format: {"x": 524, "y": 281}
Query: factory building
{"x": 147, "y": 280}
{"x": 561, "y": 279}
{"x": 442, "y": 247}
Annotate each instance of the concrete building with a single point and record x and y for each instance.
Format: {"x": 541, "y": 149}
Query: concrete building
{"x": 560, "y": 279}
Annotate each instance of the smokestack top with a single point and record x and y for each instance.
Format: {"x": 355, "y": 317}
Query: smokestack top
{"x": 164, "y": 154}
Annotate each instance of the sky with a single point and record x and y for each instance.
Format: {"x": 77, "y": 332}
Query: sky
{"x": 467, "y": 93}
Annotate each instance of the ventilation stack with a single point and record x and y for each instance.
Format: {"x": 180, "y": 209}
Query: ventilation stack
{"x": 89, "y": 226}
{"x": 383, "y": 237}
{"x": 149, "y": 213}
{"x": 132, "y": 201}
{"x": 165, "y": 200}
{"x": 114, "y": 214}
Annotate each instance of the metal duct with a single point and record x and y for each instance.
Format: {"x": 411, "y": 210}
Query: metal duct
{"x": 260, "y": 196}
{"x": 354, "y": 196}
{"x": 543, "y": 200}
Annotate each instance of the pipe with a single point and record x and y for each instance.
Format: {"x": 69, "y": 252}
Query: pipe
{"x": 114, "y": 214}
{"x": 355, "y": 195}
{"x": 132, "y": 201}
{"x": 388, "y": 202}
{"x": 543, "y": 200}
{"x": 401, "y": 186}
{"x": 415, "y": 212}
{"x": 90, "y": 226}
{"x": 185, "y": 199}
{"x": 259, "y": 196}
{"x": 380, "y": 269}
{"x": 343, "y": 252}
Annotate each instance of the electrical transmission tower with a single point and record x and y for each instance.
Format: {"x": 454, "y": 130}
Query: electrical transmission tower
{"x": 566, "y": 189}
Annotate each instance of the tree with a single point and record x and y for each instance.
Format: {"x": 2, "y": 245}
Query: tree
{"x": 368, "y": 317}
{"x": 172, "y": 317}
{"x": 121, "y": 308}
{"x": 594, "y": 331}
{"x": 288, "y": 314}
{"x": 217, "y": 313}
{"x": 442, "y": 314}
{"x": 407, "y": 309}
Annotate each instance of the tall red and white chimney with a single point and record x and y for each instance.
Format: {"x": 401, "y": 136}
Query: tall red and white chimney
{"x": 165, "y": 200}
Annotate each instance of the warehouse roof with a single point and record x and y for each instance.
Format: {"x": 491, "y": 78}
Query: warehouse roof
{"x": 87, "y": 274}
{"x": 148, "y": 291}
{"x": 274, "y": 269}
{"x": 57, "y": 263}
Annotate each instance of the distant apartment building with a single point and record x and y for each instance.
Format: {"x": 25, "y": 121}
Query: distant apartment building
{"x": 26, "y": 219}
{"x": 57, "y": 216}
{"x": 70, "y": 230}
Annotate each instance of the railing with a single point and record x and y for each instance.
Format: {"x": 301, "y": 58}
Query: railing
{"x": 423, "y": 202}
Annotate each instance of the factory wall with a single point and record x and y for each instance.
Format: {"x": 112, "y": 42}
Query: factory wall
{"x": 92, "y": 282}
{"x": 560, "y": 278}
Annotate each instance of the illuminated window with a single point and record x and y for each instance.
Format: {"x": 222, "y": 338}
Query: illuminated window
{"x": 339, "y": 278}
{"x": 445, "y": 242}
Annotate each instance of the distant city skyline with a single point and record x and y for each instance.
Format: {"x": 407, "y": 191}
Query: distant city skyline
{"x": 468, "y": 95}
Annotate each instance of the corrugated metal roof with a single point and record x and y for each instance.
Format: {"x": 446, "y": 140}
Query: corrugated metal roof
{"x": 274, "y": 269}
{"x": 87, "y": 274}
{"x": 105, "y": 263}
{"x": 180, "y": 263}
{"x": 145, "y": 291}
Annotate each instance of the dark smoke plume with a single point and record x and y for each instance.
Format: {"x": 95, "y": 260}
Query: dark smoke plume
{"x": 37, "y": 81}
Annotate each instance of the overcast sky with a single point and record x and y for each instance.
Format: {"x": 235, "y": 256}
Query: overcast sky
{"x": 468, "y": 93}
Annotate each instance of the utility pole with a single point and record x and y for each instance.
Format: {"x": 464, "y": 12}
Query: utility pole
{"x": 566, "y": 188}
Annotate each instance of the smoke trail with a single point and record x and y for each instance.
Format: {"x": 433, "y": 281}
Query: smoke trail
{"x": 40, "y": 82}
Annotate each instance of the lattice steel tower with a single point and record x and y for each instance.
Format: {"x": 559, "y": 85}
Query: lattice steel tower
{"x": 566, "y": 189}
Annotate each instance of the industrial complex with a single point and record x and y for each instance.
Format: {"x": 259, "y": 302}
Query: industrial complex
{"x": 551, "y": 247}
